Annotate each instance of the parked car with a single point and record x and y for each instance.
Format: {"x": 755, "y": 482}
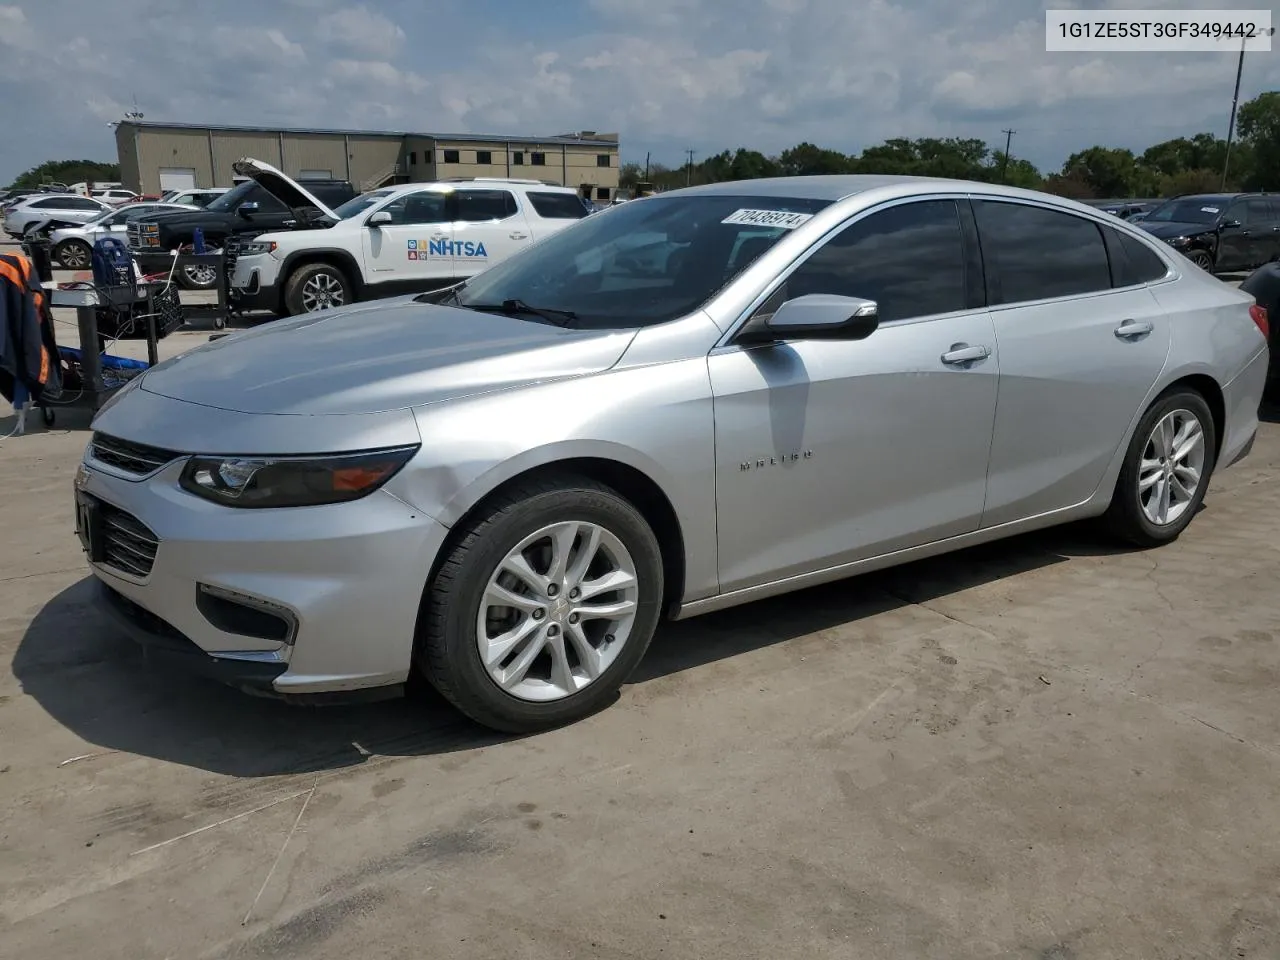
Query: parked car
{"x": 410, "y": 238}
{"x": 197, "y": 197}
{"x": 509, "y": 482}
{"x": 114, "y": 195}
{"x": 1219, "y": 232}
{"x": 47, "y": 211}
{"x": 247, "y": 209}
{"x": 72, "y": 247}
{"x": 1264, "y": 286}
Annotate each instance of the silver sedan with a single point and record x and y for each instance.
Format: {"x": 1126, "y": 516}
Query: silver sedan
{"x": 682, "y": 403}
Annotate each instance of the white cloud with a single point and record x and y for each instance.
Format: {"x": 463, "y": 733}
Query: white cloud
{"x": 361, "y": 29}
{"x": 666, "y": 74}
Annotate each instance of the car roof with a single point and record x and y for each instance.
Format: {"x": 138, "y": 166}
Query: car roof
{"x": 833, "y": 187}
{"x": 443, "y": 186}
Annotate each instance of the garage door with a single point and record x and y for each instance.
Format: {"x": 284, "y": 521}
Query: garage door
{"x": 177, "y": 178}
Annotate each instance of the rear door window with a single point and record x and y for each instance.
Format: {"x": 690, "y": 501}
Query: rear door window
{"x": 1033, "y": 253}
{"x": 557, "y": 206}
{"x": 484, "y": 206}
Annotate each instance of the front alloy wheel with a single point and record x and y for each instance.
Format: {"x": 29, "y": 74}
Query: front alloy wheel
{"x": 1201, "y": 259}
{"x": 322, "y": 291}
{"x": 557, "y": 611}
{"x": 543, "y": 604}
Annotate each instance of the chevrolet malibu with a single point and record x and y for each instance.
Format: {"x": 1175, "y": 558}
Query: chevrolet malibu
{"x": 679, "y": 404}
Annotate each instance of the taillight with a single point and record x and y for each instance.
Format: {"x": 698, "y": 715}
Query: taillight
{"x": 1259, "y": 315}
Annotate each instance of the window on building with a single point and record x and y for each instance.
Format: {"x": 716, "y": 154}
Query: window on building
{"x": 450, "y": 156}
{"x": 602, "y": 193}
{"x": 538, "y": 159}
{"x": 602, "y": 160}
{"x": 883, "y": 257}
{"x": 484, "y": 156}
{"x": 413, "y": 158}
{"x": 478, "y": 206}
{"x": 1037, "y": 254}
{"x": 517, "y": 158}
{"x": 556, "y": 206}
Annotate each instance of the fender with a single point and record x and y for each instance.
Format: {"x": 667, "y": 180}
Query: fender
{"x": 349, "y": 264}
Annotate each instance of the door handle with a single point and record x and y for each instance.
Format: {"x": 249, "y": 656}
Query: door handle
{"x": 517, "y": 235}
{"x": 1132, "y": 329}
{"x": 963, "y": 353}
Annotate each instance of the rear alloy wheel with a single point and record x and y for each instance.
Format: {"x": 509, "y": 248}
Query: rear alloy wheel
{"x": 1201, "y": 259}
{"x": 1166, "y": 470}
{"x": 73, "y": 254}
{"x": 318, "y": 286}
{"x": 199, "y": 276}
{"x": 543, "y": 607}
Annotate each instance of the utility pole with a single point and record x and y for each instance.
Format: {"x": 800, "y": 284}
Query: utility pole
{"x": 646, "y": 166}
{"x": 1004, "y": 164}
{"x": 1235, "y": 100}
{"x": 688, "y": 180}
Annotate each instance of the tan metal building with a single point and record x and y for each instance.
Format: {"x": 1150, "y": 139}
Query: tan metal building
{"x": 171, "y": 156}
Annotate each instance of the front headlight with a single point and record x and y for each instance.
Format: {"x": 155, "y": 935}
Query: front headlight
{"x": 292, "y": 481}
{"x": 256, "y": 247}
{"x": 1178, "y": 241}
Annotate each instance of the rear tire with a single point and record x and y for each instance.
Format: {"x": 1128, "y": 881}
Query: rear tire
{"x": 198, "y": 276}
{"x": 73, "y": 255}
{"x": 1163, "y": 459}
{"x": 315, "y": 287}
{"x": 571, "y": 666}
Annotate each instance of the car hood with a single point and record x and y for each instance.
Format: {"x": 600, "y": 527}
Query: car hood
{"x": 382, "y": 356}
{"x": 1167, "y": 229}
{"x": 283, "y": 187}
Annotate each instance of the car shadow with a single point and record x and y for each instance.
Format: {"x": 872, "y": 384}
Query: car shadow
{"x": 1269, "y": 411}
{"x": 97, "y": 684}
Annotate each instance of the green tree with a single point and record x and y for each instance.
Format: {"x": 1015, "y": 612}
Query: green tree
{"x": 1259, "y": 125}
{"x": 1111, "y": 172}
{"x": 1191, "y": 181}
{"x": 806, "y": 159}
{"x": 741, "y": 164}
{"x": 1071, "y": 184}
{"x": 68, "y": 171}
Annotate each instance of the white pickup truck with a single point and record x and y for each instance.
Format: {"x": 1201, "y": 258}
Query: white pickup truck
{"x": 410, "y": 238}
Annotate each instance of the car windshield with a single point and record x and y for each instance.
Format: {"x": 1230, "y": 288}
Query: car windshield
{"x": 1187, "y": 210}
{"x": 361, "y": 203}
{"x": 233, "y": 197}
{"x": 637, "y": 264}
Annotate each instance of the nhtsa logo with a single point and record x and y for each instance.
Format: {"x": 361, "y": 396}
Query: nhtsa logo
{"x": 423, "y": 249}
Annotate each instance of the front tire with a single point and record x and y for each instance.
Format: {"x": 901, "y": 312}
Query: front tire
{"x": 543, "y": 606}
{"x": 316, "y": 286}
{"x": 1166, "y": 470}
{"x": 1202, "y": 259}
{"x": 198, "y": 276}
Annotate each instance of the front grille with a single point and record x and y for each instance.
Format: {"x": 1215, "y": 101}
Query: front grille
{"x": 143, "y": 236}
{"x": 136, "y": 458}
{"x": 127, "y": 543}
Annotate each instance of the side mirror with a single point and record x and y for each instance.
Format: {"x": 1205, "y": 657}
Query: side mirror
{"x": 378, "y": 219}
{"x": 817, "y": 316}
{"x": 247, "y": 208}
{"x": 1230, "y": 224}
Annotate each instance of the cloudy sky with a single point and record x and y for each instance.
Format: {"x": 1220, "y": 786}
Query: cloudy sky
{"x": 666, "y": 74}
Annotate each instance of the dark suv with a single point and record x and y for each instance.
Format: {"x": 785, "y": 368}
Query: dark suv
{"x": 1220, "y": 232}
{"x": 267, "y": 202}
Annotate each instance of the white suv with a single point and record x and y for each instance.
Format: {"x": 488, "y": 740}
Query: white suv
{"x": 410, "y": 238}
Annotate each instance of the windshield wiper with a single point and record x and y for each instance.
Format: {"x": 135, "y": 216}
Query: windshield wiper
{"x": 561, "y": 318}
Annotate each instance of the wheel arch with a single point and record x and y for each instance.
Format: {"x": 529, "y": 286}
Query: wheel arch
{"x": 1210, "y": 389}
{"x": 344, "y": 260}
{"x": 634, "y": 484}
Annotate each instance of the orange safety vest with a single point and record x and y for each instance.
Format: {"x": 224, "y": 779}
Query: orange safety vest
{"x": 28, "y": 348}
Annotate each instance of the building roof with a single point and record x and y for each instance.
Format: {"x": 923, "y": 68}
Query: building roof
{"x": 398, "y": 134}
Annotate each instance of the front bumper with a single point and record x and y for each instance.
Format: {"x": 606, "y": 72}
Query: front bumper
{"x": 348, "y": 578}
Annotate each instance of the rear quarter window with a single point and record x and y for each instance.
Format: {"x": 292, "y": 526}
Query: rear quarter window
{"x": 557, "y": 206}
